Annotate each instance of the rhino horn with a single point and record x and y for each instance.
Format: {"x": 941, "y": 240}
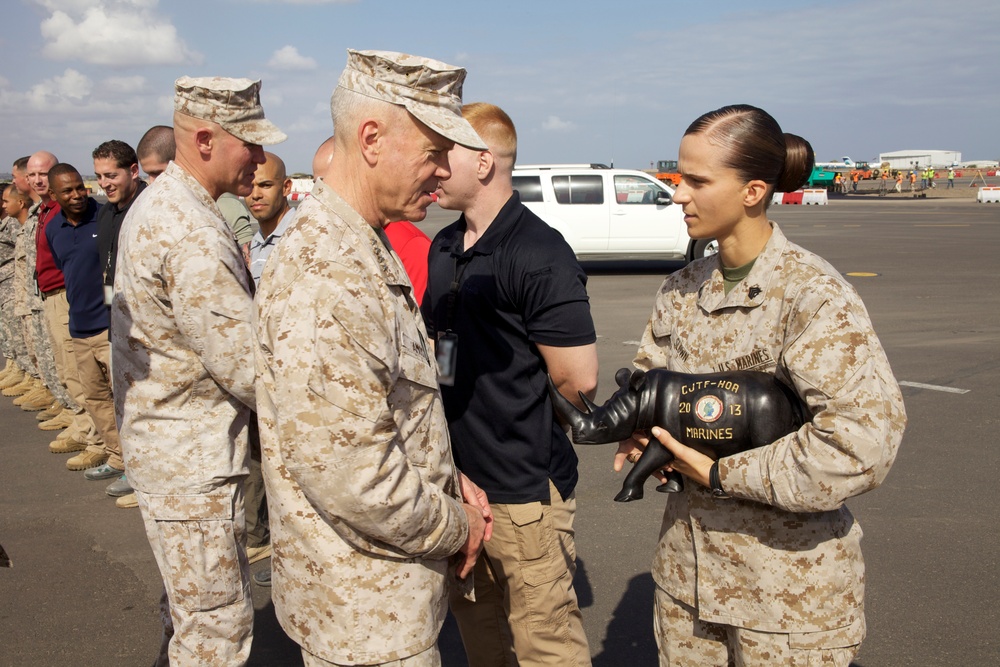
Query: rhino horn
{"x": 569, "y": 413}
{"x": 590, "y": 405}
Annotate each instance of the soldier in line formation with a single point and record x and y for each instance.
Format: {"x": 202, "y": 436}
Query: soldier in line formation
{"x": 389, "y": 499}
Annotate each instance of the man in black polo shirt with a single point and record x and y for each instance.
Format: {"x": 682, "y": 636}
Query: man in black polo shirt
{"x": 518, "y": 309}
{"x": 117, "y": 170}
{"x": 72, "y": 238}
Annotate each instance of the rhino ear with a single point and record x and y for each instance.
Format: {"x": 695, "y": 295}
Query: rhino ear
{"x": 638, "y": 379}
{"x": 622, "y": 377}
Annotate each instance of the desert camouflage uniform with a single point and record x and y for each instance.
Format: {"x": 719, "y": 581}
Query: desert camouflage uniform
{"x": 24, "y": 290}
{"x": 11, "y": 337}
{"x": 180, "y": 333}
{"x": 28, "y": 305}
{"x": 782, "y": 555}
{"x": 361, "y": 485}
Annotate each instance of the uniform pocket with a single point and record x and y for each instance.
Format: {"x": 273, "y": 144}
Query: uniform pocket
{"x": 197, "y": 539}
{"x": 536, "y": 542}
{"x": 850, "y": 635}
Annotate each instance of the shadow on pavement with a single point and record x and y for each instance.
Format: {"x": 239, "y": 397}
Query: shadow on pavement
{"x": 629, "y": 638}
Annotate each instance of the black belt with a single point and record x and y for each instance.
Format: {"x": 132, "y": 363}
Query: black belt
{"x": 46, "y": 295}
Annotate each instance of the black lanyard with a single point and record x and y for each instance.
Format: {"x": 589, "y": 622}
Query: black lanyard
{"x": 461, "y": 264}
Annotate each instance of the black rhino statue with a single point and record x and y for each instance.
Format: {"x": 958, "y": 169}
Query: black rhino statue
{"x": 721, "y": 413}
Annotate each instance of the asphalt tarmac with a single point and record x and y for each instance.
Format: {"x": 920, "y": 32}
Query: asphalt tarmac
{"x": 83, "y": 589}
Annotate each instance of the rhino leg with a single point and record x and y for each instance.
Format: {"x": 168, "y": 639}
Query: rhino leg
{"x": 674, "y": 483}
{"x": 654, "y": 457}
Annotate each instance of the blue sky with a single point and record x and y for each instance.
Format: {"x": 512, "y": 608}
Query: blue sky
{"x": 584, "y": 80}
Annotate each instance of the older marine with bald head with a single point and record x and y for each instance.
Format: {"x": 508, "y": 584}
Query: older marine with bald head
{"x": 183, "y": 388}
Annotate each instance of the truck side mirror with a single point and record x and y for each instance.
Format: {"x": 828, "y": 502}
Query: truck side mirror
{"x": 664, "y": 199}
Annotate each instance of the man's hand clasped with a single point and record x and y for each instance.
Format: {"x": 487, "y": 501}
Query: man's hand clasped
{"x": 480, "y": 516}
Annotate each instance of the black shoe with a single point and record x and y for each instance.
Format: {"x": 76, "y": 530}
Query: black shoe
{"x": 263, "y": 578}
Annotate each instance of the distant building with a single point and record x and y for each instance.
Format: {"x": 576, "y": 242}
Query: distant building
{"x": 910, "y": 159}
{"x": 981, "y": 164}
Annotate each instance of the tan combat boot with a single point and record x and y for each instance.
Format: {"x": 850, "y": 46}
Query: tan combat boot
{"x": 127, "y": 501}
{"x": 11, "y": 376}
{"x": 30, "y": 394}
{"x": 7, "y": 369}
{"x": 23, "y": 387}
{"x": 62, "y": 420}
{"x": 66, "y": 446}
{"x": 36, "y": 400}
{"x": 50, "y": 412}
{"x": 86, "y": 459}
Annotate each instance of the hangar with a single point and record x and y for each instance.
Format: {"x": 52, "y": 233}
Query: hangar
{"x": 910, "y": 159}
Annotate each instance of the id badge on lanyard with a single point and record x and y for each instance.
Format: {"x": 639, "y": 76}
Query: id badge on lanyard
{"x": 446, "y": 352}
{"x": 446, "y": 349}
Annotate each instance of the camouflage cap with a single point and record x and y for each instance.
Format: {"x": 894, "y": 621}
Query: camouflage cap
{"x": 429, "y": 89}
{"x": 232, "y": 103}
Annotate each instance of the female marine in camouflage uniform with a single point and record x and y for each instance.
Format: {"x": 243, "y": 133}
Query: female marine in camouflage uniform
{"x": 759, "y": 561}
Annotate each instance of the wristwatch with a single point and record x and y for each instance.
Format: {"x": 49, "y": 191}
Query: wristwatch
{"x": 715, "y": 483}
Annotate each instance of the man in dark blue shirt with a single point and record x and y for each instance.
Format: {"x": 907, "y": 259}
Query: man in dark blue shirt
{"x": 507, "y": 303}
{"x": 72, "y": 237}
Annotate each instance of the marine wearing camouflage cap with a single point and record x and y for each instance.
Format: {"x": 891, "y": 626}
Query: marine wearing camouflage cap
{"x": 429, "y": 89}
{"x": 232, "y": 103}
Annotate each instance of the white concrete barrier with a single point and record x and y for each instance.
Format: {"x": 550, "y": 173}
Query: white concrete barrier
{"x": 988, "y": 194}
{"x": 815, "y": 197}
{"x": 297, "y": 196}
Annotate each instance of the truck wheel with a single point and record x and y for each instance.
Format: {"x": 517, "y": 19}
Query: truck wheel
{"x": 703, "y": 248}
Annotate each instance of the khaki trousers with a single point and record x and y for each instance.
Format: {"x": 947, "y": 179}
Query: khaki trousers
{"x": 686, "y": 641}
{"x": 526, "y": 612}
{"x": 255, "y": 496}
{"x": 198, "y": 543}
{"x": 56, "y": 310}
{"x": 93, "y": 358}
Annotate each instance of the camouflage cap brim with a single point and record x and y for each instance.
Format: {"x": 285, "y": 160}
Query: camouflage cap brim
{"x": 262, "y": 132}
{"x": 448, "y": 125}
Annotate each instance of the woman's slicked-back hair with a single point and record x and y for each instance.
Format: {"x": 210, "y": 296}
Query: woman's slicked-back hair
{"x": 755, "y": 146}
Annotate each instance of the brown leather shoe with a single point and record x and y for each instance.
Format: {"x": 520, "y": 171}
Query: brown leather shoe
{"x": 86, "y": 459}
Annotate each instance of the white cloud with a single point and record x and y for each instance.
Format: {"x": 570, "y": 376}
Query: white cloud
{"x": 112, "y": 32}
{"x": 60, "y": 92}
{"x": 557, "y": 124}
{"x": 124, "y": 84}
{"x": 289, "y": 58}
